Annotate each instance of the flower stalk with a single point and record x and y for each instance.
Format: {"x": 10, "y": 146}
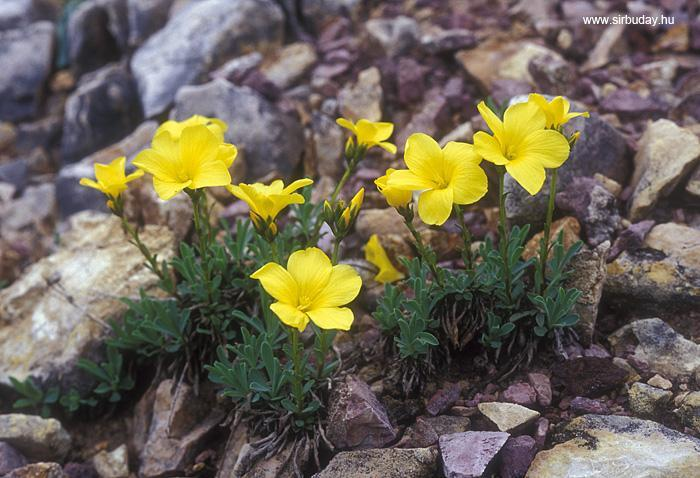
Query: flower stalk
{"x": 503, "y": 231}
{"x": 467, "y": 256}
{"x": 544, "y": 243}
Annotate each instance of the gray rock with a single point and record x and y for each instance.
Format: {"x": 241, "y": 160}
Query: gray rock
{"x": 395, "y": 35}
{"x": 97, "y": 33}
{"x": 516, "y": 456}
{"x": 319, "y": 13}
{"x": 383, "y": 463}
{"x": 552, "y": 74}
{"x": 292, "y": 62}
{"x": 103, "y": 109}
{"x": 667, "y": 153}
{"x": 113, "y": 464}
{"x": 600, "y": 149}
{"x": 469, "y": 454}
{"x": 21, "y": 13}
{"x": 543, "y": 388}
{"x": 39, "y": 439}
{"x": 328, "y": 140}
{"x": 15, "y": 172}
{"x": 363, "y": 98}
{"x": 356, "y": 419}
{"x": 584, "y": 406}
{"x": 693, "y": 186}
{"x": 623, "y": 447}
{"x": 595, "y": 208}
{"x": 34, "y": 210}
{"x": 269, "y": 140}
{"x": 647, "y": 401}
{"x": 145, "y": 18}
{"x": 26, "y": 56}
{"x": 508, "y": 417}
{"x": 665, "y": 351}
{"x": 689, "y": 411}
{"x": 199, "y": 38}
{"x": 236, "y": 69}
{"x": 446, "y": 41}
{"x": 10, "y": 458}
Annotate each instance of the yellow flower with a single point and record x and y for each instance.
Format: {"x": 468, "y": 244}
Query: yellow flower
{"x": 370, "y": 133}
{"x": 111, "y": 178}
{"x": 266, "y": 201}
{"x": 446, "y": 176}
{"x": 350, "y": 213}
{"x": 521, "y": 143}
{"x": 375, "y": 254}
{"x": 556, "y": 111}
{"x": 394, "y": 197}
{"x": 191, "y": 162}
{"x": 311, "y": 288}
{"x": 227, "y": 151}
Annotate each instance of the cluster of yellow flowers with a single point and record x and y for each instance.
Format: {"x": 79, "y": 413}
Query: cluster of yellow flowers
{"x": 192, "y": 154}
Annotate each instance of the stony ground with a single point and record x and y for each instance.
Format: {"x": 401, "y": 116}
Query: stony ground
{"x": 86, "y": 81}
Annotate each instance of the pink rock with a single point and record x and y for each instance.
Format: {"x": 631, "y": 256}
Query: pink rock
{"x": 541, "y": 431}
{"x": 468, "y": 454}
{"x": 516, "y": 456}
{"x": 540, "y": 382}
{"x": 520, "y": 393}
{"x": 443, "y": 399}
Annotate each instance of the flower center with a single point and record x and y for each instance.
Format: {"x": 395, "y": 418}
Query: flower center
{"x": 304, "y": 303}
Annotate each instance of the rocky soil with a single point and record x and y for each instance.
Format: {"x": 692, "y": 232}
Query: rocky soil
{"x": 86, "y": 81}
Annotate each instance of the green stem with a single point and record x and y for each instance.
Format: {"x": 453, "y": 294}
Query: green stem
{"x": 275, "y": 251}
{"x": 352, "y": 163}
{"x": 150, "y": 258}
{"x": 466, "y": 238}
{"x": 297, "y": 389}
{"x": 504, "y": 232}
{"x": 423, "y": 250}
{"x": 322, "y": 352}
{"x": 544, "y": 245}
{"x": 201, "y": 227}
{"x": 336, "y": 251}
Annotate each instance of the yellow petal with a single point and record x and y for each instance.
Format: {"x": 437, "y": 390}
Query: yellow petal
{"x": 197, "y": 145}
{"x": 469, "y": 183}
{"x": 166, "y": 146}
{"x": 409, "y": 181}
{"x": 91, "y": 184}
{"x": 298, "y": 184}
{"x": 375, "y": 254}
{"x": 547, "y": 147}
{"x": 435, "y": 206}
{"x": 210, "y": 173}
{"x": 347, "y": 124}
{"x": 332, "y": 318}
{"x": 529, "y": 174}
{"x": 166, "y": 189}
{"x": 423, "y": 156}
{"x": 395, "y": 197}
{"x": 492, "y": 121}
{"x": 489, "y": 148}
{"x": 290, "y": 316}
{"x": 278, "y": 283}
{"x": 520, "y": 120}
{"x": 227, "y": 154}
{"x": 311, "y": 269}
{"x": 135, "y": 175}
{"x": 391, "y": 148}
{"x": 155, "y": 164}
{"x": 457, "y": 153}
{"x": 342, "y": 288}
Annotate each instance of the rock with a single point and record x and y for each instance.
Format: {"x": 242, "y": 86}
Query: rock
{"x": 583, "y": 406}
{"x": 629, "y": 105}
{"x": 469, "y": 454}
{"x": 21, "y": 13}
{"x": 689, "y": 411}
{"x": 328, "y": 140}
{"x": 30, "y": 216}
{"x": 379, "y": 221}
{"x": 568, "y": 226}
{"x": 516, "y": 456}
{"x": 70, "y": 294}
{"x": 419, "y": 435}
{"x": 236, "y": 69}
{"x": 433, "y": 112}
{"x": 521, "y": 393}
{"x": 676, "y": 241}
{"x": 319, "y": 13}
{"x": 693, "y": 186}
{"x": 609, "y": 44}
{"x": 10, "y": 458}
{"x": 595, "y": 208}
{"x": 113, "y": 464}
{"x": 145, "y": 18}
{"x": 383, "y": 463}
{"x": 16, "y": 173}
{"x": 590, "y": 274}
{"x": 589, "y": 376}
{"x": 103, "y": 109}
{"x": 198, "y": 38}
{"x": 356, "y": 419}
{"x": 410, "y": 81}
{"x": 543, "y": 388}
{"x": 600, "y": 149}
{"x": 446, "y": 424}
{"x": 44, "y": 133}
{"x": 268, "y": 141}
{"x": 541, "y": 431}
{"x": 440, "y": 41}
{"x": 664, "y": 350}
{"x": 362, "y": 99}
{"x": 631, "y": 239}
{"x": 647, "y": 401}
{"x": 26, "y": 55}
{"x": 660, "y": 382}
{"x": 179, "y": 423}
{"x": 38, "y": 470}
{"x": 79, "y": 470}
{"x": 508, "y": 417}
{"x": 35, "y": 437}
{"x": 623, "y": 447}
{"x": 656, "y": 171}
{"x": 552, "y": 74}
{"x": 395, "y": 35}
{"x": 98, "y": 34}
{"x": 293, "y": 61}
{"x": 443, "y": 399}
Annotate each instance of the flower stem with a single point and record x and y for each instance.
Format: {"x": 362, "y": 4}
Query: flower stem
{"x": 423, "y": 251}
{"x": 297, "y": 389}
{"x": 336, "y": 251}
{"x": 359, "y": 153}
{"x": 544, "y": 244}
{"x": 466, "y": 238}
{"x": 504, "y": 232}
{"x": 201, "y": 226}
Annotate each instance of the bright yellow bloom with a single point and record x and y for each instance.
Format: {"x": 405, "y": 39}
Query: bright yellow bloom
{"x": 191, "y": 162}
{"x": 394, "y": 197}
{"x": 370, "y": 133}
{"x": 446, "y": 176}
{"x": 111, "y": 178}
{"x": 521, "y": 143}
{"x": 311, "y": 288}
{"x": 227, "y": 151}
{"x": 266, "y": 201}
{"x": 375, "y": 254}
{"x": 350, "y": 212}
{"x": 555, "y": 111}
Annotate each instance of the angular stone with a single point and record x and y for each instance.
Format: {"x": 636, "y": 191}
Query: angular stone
{"x": 584, "y": 406}
{"x": 113, "y": 464}
{"x": 623, "y": 447}
{"x": 268, "y": 140}
{"x": 427, "y": 118}
{"x": 469, "y": 454}
{"x": 595, "y": 208}
{"x": 664, "y": 350}
{"x": 627, "y": 104}
{"x": 362, "y": 99}
{"x": 35, "y": 437}
{"x": 516, "y": 456}
{"x": 145, "y": 18}
{"x": 11, "y": 459}
{"x": 693, "y": 186}
{"x": 658, "y": 171}
{"x": 540, "y": 382}
{"x": 38, "y": 470}
{"x": 508, "y": 417}
{"x": 521, "y": 394}
{"x": 198, "y": 38}
{"x": 443, "y": 399}
{"x": 660, "y": 382}
{"x": 319, "y": 13}
{"x": 689, "y": 411}
{"x": 647, "y": 401}
{"x": 567, "y": 226}
{"x": 26, "y": 56}
{"x": 395, "y": 35}
{"x": 383, "y": 463}
{"x": 678, "y": 241}
{"x": 590, "y": 376}
{"x": 21, "y": 13}
{"x": 445, "y": 41}
{"x": 328, "y": 140}
{"x": 292, "y": 62}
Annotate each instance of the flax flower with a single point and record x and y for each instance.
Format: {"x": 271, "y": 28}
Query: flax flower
{"x": 556, "y": 111}
{"x": 370, "y": 133}
{"x": 376, "y": 255}
{"x": 227, "y": 151}
{"x": 350, "y": 213}
{"x": 191, "y": 162}
{"x": 521, "y": 143}
{"x": 394, "y": 197}
{"x": 266, "y": 201}
{"x": 111, "y": 179}
{"x": 446, "y": 176}
{"x": 311, "y": 288}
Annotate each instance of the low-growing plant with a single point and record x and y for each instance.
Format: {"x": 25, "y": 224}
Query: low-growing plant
{"x": 33, "y": 397}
